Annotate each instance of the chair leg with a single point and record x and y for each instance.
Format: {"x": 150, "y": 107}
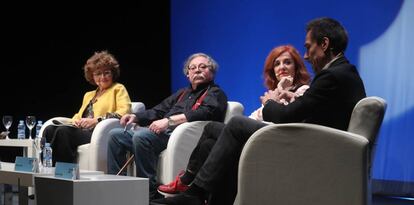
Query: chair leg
{"x": 129, "y": 161}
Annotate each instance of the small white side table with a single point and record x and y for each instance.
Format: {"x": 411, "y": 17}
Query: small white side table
{"x": 23, "y": 180}
{"x": 27, "y": 144}
{"x": 26, "y": 179}
{"x": 92, "y": 189}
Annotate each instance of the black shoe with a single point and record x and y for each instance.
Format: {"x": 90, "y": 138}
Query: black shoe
{"x": 155, "y": 196}
{"x": 181, "y": 199}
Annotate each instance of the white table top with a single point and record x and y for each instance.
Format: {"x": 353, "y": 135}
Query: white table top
{"x": 16, "y": 142}
{"x": 9, "y": 176}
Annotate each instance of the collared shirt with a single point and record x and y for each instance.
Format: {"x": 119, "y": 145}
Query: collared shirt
{"x": 213, "y": 106}
{"x": 333, "y": 60}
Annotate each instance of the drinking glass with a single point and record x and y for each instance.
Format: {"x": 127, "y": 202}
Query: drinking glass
{"x": 7, "y": 122}
{"x": 30, "y": 123}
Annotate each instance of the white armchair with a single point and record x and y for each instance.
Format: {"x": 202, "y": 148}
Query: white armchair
{"x": 182, "y": 142}
{"x": 301, "y": 163}
{"x": 93, "y": 156}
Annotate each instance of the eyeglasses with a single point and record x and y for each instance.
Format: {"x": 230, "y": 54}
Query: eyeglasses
{"x": 200, "y": 66}
{"x": 104, "y": 73}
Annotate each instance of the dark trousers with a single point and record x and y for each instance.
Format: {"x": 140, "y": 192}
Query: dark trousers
{"x": 206, "y": 142}
{"x": 65, "y": 141}
{"x": 218, "y": 175}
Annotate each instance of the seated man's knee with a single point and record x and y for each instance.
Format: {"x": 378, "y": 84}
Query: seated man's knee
{"x": 141, "y": 137}
{"x": 207, "y": 145}
{"x": 114, "y": 134}
{"x": 238, "y": 124}
{"x": 213, "y": 127}
{"x": 116, "y": 131}
{"x": 213, "y": 124}
{"x": 236, "y": 120}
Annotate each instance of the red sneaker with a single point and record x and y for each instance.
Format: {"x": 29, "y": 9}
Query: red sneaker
{"x": 174, "y": 187}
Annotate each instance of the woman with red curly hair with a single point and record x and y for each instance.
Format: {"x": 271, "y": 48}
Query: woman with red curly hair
{"x": 284, "y": 71}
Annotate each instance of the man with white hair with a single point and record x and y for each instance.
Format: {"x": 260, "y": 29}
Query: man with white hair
{"x": 202, "y": 100}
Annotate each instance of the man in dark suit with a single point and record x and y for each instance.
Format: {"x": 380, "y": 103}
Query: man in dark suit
{"x": 329, "y": 101}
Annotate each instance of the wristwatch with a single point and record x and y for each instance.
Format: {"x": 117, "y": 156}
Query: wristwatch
{"x": 170, "y": 122}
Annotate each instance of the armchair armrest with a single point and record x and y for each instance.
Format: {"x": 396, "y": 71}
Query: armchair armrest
{"x": 97, "y": 156}
{"x": 180, "y": 146}
{"x": 182, "y": 142}
{"x": 93, "y": 156}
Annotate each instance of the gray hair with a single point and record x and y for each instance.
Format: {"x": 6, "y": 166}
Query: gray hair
{"x": 213, "y": 66}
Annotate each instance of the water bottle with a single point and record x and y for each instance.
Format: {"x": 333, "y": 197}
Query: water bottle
{"x": 38, "y": 126}
{"x": 47, "y": 155}
{"x": 21, "y": 130}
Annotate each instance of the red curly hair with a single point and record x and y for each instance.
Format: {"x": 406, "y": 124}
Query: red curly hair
{"x": 301, "y": 77}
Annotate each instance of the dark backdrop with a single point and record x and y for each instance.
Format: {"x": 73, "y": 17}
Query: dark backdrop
{"x": 44, "y": 48}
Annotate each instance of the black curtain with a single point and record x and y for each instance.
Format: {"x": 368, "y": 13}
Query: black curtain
{"x": 45, "y": 46}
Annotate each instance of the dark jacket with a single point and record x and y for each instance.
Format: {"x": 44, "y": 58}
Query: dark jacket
{"x": 213, "y": 106}
{"x": 329, "y": 101}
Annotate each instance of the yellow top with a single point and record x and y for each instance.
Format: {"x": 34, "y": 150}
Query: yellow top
{"x": 114, "y": 99}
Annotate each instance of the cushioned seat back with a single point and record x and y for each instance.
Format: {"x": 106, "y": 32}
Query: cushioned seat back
{"x": 367, "y": 117}
{"x": 137, "y": 106}
{"x": 233, "y": 109}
